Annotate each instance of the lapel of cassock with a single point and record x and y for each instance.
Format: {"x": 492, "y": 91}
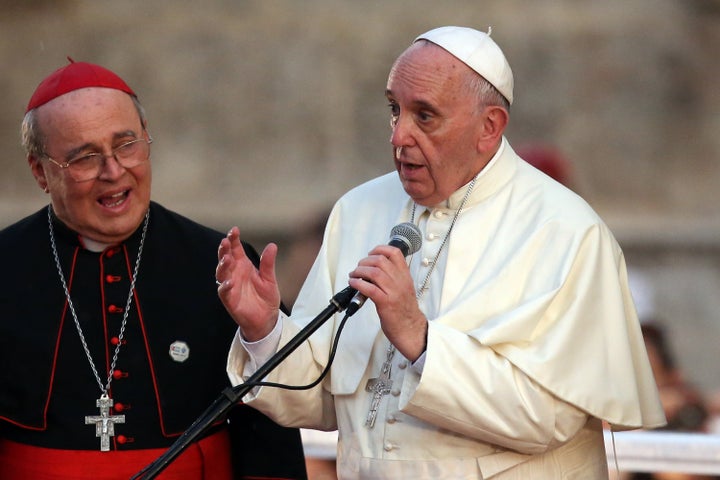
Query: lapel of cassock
{"x": 361, "y": 331}
{"x": 356, "y": 341}
{"x": 472, "y": 233}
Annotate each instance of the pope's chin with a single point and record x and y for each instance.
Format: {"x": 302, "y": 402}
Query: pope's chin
{"x": 413, "y": 188}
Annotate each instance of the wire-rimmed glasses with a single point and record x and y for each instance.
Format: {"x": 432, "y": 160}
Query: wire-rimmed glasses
{"x": 89, "y": 166}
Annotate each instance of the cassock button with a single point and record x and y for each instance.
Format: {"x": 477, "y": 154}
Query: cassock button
{"x": 403, "y": 364}
{"x": 438, "y": 214}
{"x": 395, "y": 392}
{"x": 120, "y": 407}
{"x": 431, "y": 236}
{"x": 112, "y": 278}
{"x": 116, "y": 340}
{"x": 114, "y": 309}
{"x": 391, "y": 419}
{"x": 118, "y": 374}
{"x": 388, "y": 446}
{"x": 425, "y": 262}
{"x": 122, "y": 439}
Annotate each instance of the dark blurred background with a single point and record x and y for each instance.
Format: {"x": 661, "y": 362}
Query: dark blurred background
{"x": 265, "y": 111}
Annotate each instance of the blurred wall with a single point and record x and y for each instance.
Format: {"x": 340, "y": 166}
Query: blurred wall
{"x": 264, "y": 111}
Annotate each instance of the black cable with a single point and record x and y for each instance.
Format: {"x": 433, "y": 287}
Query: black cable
{"x": 325, "y": 371}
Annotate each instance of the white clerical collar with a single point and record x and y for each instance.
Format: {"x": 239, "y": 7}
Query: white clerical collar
{"x": 494, "y": 159}
{"x": 94, "y": 246}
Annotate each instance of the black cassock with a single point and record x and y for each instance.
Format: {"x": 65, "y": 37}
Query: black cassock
{"x": 171, "y": 365}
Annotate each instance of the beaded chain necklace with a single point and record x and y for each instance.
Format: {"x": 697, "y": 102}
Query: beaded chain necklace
{"x": 381, "y": 385}
{"x": 104, "y": 423}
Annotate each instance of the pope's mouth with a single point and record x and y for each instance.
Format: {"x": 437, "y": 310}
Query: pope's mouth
{"x": 114, "y": 200}
{"x": 409, "y": 168}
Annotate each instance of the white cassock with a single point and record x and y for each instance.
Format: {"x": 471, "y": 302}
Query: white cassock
{"x": 533, "y": 338}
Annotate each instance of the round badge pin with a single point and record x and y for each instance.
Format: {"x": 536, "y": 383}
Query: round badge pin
{"x": 179, "y": 351}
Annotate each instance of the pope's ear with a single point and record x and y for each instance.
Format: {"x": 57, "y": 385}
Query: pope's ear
{"x": 494, "y": 120}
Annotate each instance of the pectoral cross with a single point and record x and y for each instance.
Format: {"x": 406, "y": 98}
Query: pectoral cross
{"x": 379, "y": 387}
{"x": 104, "y": 423}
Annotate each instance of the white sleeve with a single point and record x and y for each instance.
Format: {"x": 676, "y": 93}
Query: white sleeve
{"x": 251, "y": 355}
{"x": 529, "y": 418}
{"x": 261, "y": 350}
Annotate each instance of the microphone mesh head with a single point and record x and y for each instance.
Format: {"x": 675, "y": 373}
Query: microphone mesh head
{"x": 409, "y": 234}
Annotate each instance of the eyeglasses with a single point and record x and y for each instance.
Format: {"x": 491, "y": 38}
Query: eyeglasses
{"x": 89, "y": 166}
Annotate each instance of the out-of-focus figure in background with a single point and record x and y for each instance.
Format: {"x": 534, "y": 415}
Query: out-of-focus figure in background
{"x": 549, "y": 160}
{"x": 684, "y": 406}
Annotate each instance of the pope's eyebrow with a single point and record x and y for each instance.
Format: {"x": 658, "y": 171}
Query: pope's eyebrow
{"x": 423, "y": 105}
{"x": 419, "y": 104}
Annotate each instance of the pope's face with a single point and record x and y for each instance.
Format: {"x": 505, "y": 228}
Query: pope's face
{"x": 435, "y": 123}
{"x": 110, "y": 208}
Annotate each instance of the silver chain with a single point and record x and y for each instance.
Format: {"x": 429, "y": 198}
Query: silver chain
{"x": 421, "y": 290}
{"x": 106, "y": 388}
{"x": 390, "y": 352}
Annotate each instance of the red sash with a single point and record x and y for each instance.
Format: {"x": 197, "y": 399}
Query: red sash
{"x": 208, "y": 459}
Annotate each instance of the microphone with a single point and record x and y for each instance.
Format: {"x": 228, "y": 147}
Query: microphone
{"x": 408, "y": 239}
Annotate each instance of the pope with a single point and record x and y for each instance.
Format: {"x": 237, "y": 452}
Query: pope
{"x": 499, "y": 348}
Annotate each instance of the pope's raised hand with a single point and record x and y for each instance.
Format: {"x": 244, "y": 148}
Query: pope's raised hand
{"x": 251, "y": 295}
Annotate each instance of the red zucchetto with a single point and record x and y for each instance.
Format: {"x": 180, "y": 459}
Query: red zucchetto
{"x": 75, "y": 76}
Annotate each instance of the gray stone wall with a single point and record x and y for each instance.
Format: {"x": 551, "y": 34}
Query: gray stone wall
{"x": 265, "y": 111}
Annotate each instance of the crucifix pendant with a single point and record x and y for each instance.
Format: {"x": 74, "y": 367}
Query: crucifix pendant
{"x": 104, "y": 423}
{"x": 379, "y": 387}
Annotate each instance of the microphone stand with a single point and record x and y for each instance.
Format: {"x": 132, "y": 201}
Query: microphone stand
{"x": 232, "y": 395}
